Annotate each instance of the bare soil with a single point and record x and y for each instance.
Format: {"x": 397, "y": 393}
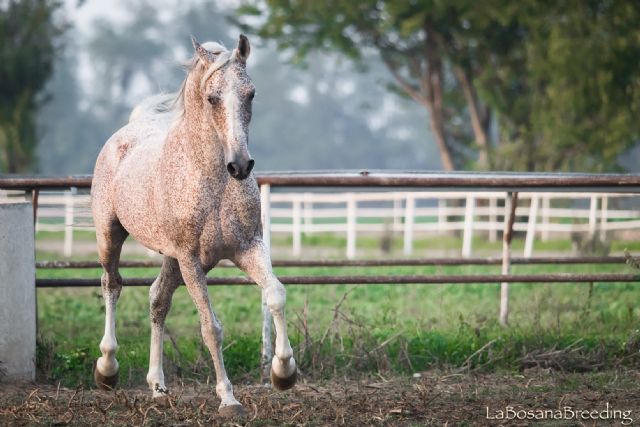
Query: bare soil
{"x": 432, "y": 398}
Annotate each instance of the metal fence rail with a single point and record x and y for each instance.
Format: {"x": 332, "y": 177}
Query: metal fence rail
{"x": 402, "y": 262}
{"x": 435, "y": 180}
{"x": 373, "y": 280}
{"x": 455, "y": 181}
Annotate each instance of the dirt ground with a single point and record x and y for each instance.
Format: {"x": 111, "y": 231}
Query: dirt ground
{"x": 536, "y": 396}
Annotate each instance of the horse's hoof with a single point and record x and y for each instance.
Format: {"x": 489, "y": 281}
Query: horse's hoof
{"x": 232, "y": 411}
{"x": 104, "y": 382}
{"x": 283, "y": 384}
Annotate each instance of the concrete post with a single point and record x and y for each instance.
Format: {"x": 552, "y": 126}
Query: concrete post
{"x": 17, "y": 293}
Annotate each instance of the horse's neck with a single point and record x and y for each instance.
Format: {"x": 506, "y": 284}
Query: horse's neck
{"x": 195, "y": 136}
{"x": 197, "y": 144}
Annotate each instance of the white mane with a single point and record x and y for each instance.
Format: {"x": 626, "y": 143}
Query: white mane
{"x": 171, "y": 105}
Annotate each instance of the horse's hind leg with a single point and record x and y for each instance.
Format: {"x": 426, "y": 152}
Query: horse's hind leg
{"x": 256, "y": 262}
{"x": 160, "y": 295}
{"x": 195, "y": 279}
{"x": 110, "y": 238}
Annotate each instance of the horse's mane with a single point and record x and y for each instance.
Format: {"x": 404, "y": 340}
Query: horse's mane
{"x": 172, "y": 104}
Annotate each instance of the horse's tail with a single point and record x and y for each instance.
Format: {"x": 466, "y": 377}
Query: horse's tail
{"x": 153, "y": 105}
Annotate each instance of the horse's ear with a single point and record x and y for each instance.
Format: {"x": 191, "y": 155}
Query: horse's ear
{"x": 243, "y": 49}
{"x": 203, "y": 53}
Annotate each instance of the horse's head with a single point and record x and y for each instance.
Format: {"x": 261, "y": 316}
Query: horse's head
{"x": 228, "y": 92}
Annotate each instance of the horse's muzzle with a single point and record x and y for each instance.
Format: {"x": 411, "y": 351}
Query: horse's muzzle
{"x": 240, "y": 170}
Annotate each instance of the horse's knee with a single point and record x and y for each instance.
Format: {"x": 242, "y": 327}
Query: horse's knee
{"x": 276, "y": 296}
{"x": 159, "y": 305}
{"x": 158, "y": 312}
{"x": 111, "y": 283}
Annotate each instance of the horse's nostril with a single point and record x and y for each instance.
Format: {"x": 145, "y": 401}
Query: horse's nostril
{"x": 232, "y": 168}
{"x": 250, "y": 165}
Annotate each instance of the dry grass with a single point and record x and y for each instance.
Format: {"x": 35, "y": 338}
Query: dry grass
{"x": 433, "y": 398}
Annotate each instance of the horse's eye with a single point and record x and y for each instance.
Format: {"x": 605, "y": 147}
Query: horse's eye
{"x": 252, "y": 95}
{"x": 213, "y": 99}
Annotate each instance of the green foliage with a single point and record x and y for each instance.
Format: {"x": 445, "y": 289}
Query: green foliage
{"x": 561, "y": 77}
{"x": 566, "y": 89}
{"x": 396, "y": 31}
{"x": 28, "y": 35}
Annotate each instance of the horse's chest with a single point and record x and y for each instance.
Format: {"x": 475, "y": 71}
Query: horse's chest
{"x": 231, "y": 220}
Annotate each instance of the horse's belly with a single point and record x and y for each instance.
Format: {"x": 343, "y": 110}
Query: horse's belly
{"x": 135, "y": 199}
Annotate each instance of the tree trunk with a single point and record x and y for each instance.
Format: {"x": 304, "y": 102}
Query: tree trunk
{"x": 429, "y": 95}
{"x": 432, "y": 82}
{"x": 436, "y": 122}
{"x": 478, "y": 123}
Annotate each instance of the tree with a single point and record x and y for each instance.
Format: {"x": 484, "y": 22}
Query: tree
{"x": 564, "y": 83}
{"x": 29, "y": 32}
{"x": 410, "y": 38}
{"x": 559, "y": 78}
{"x": 322, "y": 117}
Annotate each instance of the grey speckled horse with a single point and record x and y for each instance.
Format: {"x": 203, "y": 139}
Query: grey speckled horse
{"x": 178, "y": 178}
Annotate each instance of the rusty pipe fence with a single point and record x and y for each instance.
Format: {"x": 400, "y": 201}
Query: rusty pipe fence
{"x": 450, "y": 181}
{"x": 513, "y": 183}
{"x": 435, "y": 181}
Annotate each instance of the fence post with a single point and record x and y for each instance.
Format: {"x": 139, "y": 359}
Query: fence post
{"x": 469, "y": 213}
{"x": 603, "y": 218}
{"x": 531, "y": 226}
{"x": 510, "y": 203}
{"x": 546, "y": 206}
{"x": 17, "y": 292}
{"x": 409, "y": 213}
{"x": 397, "y": 206}
{"x": 267, "y": 319}
{"x": 351, "y": 226}
{"x": 68, "y": 223}
{"x": 493, "y": 218}
{"x": 593, "y": 213}
{"x": 442, "y": 216}
{"x": 308, "y": 212}
{"x": 297, "y": 229}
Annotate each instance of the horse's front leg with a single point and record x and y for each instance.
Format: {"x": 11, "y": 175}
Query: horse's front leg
{"x": 195, "y": 279}
{"x": 256, "y": 262}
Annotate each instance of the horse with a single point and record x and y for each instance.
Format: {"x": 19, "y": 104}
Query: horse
{"x": 178, "y": 178}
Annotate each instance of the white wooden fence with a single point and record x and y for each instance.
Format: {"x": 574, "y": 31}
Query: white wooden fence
{"x": 408, "y": 213}
{"x": 536, "y": 214}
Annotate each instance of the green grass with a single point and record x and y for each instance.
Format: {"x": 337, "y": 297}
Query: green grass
{"x": 399, "y": 328}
